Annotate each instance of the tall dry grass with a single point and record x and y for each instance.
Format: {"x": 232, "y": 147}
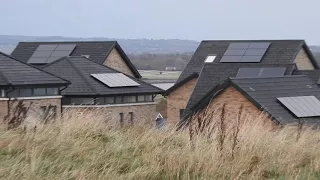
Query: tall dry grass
{"x": 90, "y": 148}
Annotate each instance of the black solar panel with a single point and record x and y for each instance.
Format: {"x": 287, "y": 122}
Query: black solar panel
{"x": 249, "y": 72}
{"x": 273, "y": 72}
{"x": 49, "y": 53}
{"x": 248, "y": 52}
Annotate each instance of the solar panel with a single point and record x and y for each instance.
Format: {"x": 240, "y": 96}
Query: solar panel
{"x": 46, "y": 47}
{"x": 231, "y": 59}
{"x": 255, "y": 52}
{"x": 115, "y": 80}
{"x": 251, "y": 58}
{"x": 302, "y": 106}
{"x": 239, "y": 45}
{"x": 49, "y": 53}
{"x": 260, "y": 45}
{"x": 65, "y": 47}
{"x": 273, "y": 72}
{"x": 249, "y": 72}
{"x": 235, "y": 52}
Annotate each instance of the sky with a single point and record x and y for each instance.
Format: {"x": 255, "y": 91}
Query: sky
{"x": 163, "y": 19}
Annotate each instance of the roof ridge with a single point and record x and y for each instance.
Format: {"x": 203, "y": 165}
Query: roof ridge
{"x": 81, "y": 74}
{"x": 208, "y": 40}
{"x": 67, "y": 41}
{"x": 34, "y": 67}
{"x": 285, "y": 76}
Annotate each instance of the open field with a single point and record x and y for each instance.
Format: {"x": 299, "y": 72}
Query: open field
{"x": 88, "y": 148}
{"x": 155, "y": 74}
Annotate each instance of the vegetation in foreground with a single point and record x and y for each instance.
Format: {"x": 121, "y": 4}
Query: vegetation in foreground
{"x": 88, "y": 148}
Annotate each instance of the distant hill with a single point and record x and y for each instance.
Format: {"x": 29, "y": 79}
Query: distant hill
{"x": 130, "y": 46}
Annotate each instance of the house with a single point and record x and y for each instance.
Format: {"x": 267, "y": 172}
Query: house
{"x": 108, "y": 53}
{"x": 37, "y": 90}
{"x": 109, "y": 92}
{"x": 215, "y": 61}
{"x": 277, "y": 100}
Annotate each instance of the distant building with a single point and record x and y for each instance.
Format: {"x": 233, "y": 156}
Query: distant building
{"x": 171, "y": 68}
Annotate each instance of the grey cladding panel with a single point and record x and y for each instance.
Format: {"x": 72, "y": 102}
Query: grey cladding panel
{"x": 231, "y": 59}
{"x": 115, "y": 80}
{"x": 235, "y": 52}
{"x": 302, "y": 106}
{"x": 239, "y": 45}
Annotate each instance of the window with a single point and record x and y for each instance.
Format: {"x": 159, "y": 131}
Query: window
{"x": 3, "y": 93}
{"x": 141, "y": 98}
{"x": 109, "y": 100}
{"x": 48, "y": 113}
{"x": 121, "y": 119}
{"x": 14, "y": 93}
{"x": 148, "y": 98}
{"x": 25, "y": 92}
{"x": 119, "y": 99}
{"x": 82, "y": 101}
{"x": 131, "y": 118}
{"x": 129, "y": 99}
{"x": 52, "y": 91}
{"x": 39, "y": 91}
{"x": 210, "y": 58}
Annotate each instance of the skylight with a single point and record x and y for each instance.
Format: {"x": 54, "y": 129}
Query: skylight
{"x": 210, "y": 58}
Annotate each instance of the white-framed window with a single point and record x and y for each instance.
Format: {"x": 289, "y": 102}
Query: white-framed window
{"x": 82, "y": 101}
{"x": 210, "y": 58}
{"x": 129, "y": 99}
{"x": 148, "y": 98}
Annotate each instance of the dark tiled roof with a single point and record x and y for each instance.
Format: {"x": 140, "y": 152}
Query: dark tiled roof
{"x": 98, "y": 51}
{"x": 279, "y": 52}
{"x": 16, "y": 73}
{"x": 78, "y": 69}
{"x": 314, "y": 75}
{"x": 213, "y": 74}
{"x": 263, "y": 93}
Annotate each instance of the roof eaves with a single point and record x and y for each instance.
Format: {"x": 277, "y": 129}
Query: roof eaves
{"x": 5, "y": 79}
{"x": 66, "y": 81}
{"x": 180, "y": 83}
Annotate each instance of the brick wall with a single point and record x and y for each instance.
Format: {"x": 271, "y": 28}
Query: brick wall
{"x": 34, "y": 111}
{"x": 142, "y": 114}
{"x": 302, "y": 60}
{"x": 115, "y": 61}
{"x": 233, "y": 100}
{"x": 178, "y": 99}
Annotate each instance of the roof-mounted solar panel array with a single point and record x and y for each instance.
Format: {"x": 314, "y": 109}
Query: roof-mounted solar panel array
{"x": 302, "y": 106}
{"x": 261, "y": 72}
{"x": 245, "y": 52}
{"x": 115, "y": 80}
{"x": 48, "y": 53}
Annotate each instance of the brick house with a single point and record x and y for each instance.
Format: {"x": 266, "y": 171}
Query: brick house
{"x": 215, "y": 61}
{"x": 108, "y": 53}
{"x": 105, "y": 90}
{"x": 20, "y": 82}
{"x": 274, "y": 100}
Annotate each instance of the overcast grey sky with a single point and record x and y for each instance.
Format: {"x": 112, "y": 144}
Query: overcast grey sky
{"x": 165, "y": 19}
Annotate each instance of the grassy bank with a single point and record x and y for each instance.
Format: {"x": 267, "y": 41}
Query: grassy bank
{"x": 89, "y": 149}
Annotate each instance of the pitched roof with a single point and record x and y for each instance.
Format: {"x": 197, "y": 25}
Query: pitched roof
{"x": 78, "y": 71}
{"x": 279, "y": 52}
{"x": 16, "y": 73}
{"x": 213, "y": 74}
{"x": 263, "y": 93}
{"x": 98, "y": 51}
{"x": 314, "y": 75}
